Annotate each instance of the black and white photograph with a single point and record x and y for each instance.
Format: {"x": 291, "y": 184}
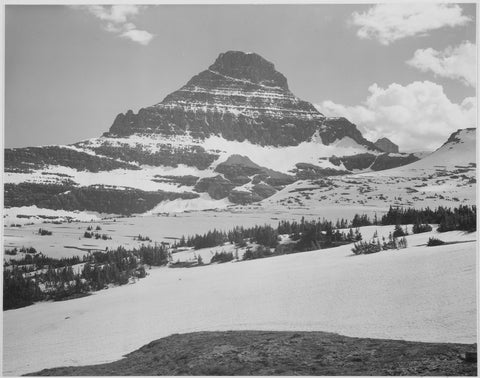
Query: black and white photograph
{"x": 254, "y": 188}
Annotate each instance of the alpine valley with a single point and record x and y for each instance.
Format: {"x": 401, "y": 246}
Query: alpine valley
{"x": 249, "y": 232}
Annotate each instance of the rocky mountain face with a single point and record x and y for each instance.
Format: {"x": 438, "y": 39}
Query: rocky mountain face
{"x": 386, "y": 145}
{"x": 240, "y": 97}
{"x": 233, "y": 134}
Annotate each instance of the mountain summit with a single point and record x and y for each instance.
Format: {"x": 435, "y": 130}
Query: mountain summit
{"x": 249, "y": 67}
{"x": 239, "y": 97}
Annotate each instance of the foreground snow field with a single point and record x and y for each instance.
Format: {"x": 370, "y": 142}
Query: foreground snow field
{"x": 419, "y": 294}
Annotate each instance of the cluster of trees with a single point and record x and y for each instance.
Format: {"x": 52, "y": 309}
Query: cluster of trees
{"x": 96, "y": 235}
{"x": 36, "y": 260}
{"x": 434, "y": 241}
{"x": 419, "y": 228}
{"x": 38, "y": 277}
{"x": 19, "y": 291}
{"x": 44, "y": 232}
{"x": 258, "y": 253}
{"x": 143, "y": 238}
{"x": 93, "y": 198}
{"x": 460, "y": 218}
{"x": 115, "y": 267}
{"x": 38, "y": 157}
{"x": 361, "y": 221}
{"x": 264, "y": 235}
{"x": 316, "y": 234}
{"x": 207, "y": 240}
{"x": 307, "y": 235}
{"x": 399, "y": 231}
{"x": 221, "y": 257}
{"x": 374, "y": 245}
{"x": 14, "y": 251}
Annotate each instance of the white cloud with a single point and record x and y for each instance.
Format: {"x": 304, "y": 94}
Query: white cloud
{"x": 114, "y": 13}
{"x": 418, "y": 116}
{"x": 454, "y": 63}
{"x": 393, "y": 21}
{"x": 116, "y": 20}
{"x": 141, "y": 36}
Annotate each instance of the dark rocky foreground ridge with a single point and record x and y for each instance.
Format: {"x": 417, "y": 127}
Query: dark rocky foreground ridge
{"x": 283, "y": 353}
{"x": 240, "y": 98}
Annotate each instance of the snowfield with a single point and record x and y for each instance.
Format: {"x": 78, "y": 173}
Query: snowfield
{"x": 282, "y": 159}
{"x": 446, "y": 177}
{"x": 419, "y": 293}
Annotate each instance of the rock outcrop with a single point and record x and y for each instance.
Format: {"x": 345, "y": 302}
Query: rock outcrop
{"x": 217, "y": 187}
{"x": 386, "y": 145}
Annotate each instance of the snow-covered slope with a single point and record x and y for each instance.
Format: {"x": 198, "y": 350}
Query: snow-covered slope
{"x": 419, "y": 293}
{"x": 445, "y": 177}
{"x": 459, "y": 151}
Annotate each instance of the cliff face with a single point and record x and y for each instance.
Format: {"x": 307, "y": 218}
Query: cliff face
{"x": 239, "y": 97}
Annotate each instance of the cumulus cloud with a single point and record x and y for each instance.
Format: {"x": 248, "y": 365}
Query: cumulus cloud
{"x": 116, "y": 19}
{"x": 141, "y": 36}
{"x": 454, "y": 62}
{"x": 393, "y": 21}
{"x": 418, "y": 116}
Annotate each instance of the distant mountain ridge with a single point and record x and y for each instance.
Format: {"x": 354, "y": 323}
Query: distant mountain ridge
{"x": 233, "y": 134}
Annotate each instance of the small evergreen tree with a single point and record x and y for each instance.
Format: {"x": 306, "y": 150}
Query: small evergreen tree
{"x": 398, "y": 231}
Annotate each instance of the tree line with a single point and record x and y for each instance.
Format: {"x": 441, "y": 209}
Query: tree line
{"x": 462, "y": 218}
{"x": 38, "y": 277}
{"x": 307, "y": 235}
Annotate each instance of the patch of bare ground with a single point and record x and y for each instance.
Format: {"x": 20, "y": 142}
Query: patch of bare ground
{"x": 283, "y": 353}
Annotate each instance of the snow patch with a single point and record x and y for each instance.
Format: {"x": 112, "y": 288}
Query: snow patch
{"x": 178, "y": 205}
{"x": 37, "y": 215}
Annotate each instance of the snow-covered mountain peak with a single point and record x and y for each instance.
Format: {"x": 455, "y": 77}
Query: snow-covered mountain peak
{"x": 239, "y": 97}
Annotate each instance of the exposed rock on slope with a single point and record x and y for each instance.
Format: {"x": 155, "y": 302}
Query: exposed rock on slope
{"x": 217, "y": 187}
{"x": 238, "y": 169}
{"x": 338, "y": 128}
{"x": 373, "y": 162}
{"x": 386, "y": 145}
{"x": 237, "y": 353}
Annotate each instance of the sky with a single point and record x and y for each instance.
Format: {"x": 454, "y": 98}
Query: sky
{"x": 402, "y": 71}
